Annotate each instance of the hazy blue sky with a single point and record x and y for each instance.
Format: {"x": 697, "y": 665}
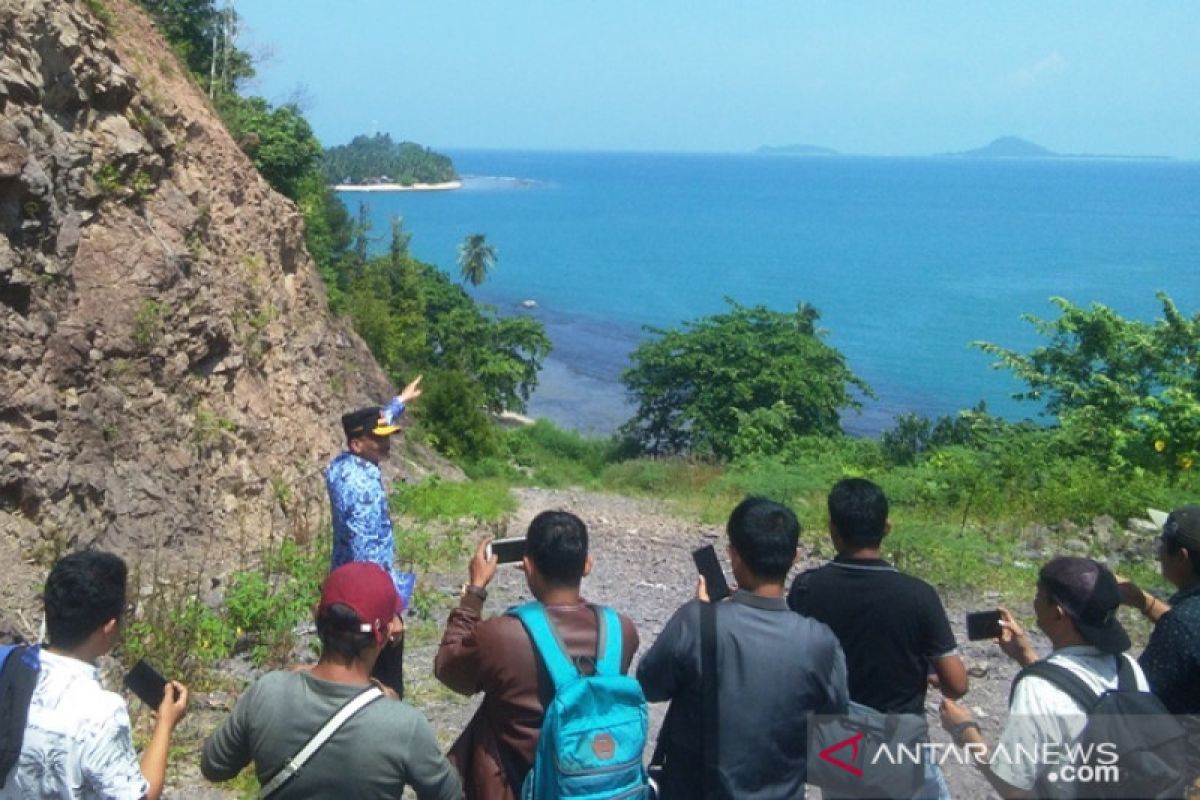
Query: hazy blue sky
{"x": 861, "y": 77}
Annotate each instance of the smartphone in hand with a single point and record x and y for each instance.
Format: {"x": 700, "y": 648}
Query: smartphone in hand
{"x": 983, "y": 625}
{"x": 147, "y": 683}
{"x": 714, "y": 577}
{"x": 506, "y": 551}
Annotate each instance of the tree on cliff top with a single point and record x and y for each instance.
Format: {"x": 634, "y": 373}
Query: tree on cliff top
{"x": 748, "y": 380}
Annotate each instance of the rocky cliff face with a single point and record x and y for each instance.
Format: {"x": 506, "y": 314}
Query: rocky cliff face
{"x": 170, "y": 376}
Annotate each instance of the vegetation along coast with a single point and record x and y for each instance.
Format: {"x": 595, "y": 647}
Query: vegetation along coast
{"x": 397, "y": 187}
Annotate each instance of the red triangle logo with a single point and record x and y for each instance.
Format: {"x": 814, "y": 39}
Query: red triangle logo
{"x": 852, "y": 743}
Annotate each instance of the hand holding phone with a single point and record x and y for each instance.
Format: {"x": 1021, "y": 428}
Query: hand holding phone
{"x": 147, "y": 684}
{"x": 710, "y": 568}
{"x": 983, "y": 625}
{"x": 506, "y": 551}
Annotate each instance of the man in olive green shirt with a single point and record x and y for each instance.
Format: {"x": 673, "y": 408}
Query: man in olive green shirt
{"x": 382, "y": 748}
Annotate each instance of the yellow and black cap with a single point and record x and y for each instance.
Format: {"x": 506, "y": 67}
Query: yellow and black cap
{"x": 367, "y": 420}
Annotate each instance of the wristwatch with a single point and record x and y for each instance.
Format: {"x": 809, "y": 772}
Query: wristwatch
{"x": 470, "y": 588}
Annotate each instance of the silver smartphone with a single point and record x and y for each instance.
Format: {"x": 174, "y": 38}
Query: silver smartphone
{"x": 506, "y": 551}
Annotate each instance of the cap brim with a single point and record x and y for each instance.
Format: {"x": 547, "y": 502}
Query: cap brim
{"x": 1159, "y": 518}
{"x": 385, "y": 430}
{"x": 1110, "y": 638}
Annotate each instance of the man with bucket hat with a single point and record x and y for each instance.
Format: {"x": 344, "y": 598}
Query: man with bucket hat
{"x": 360, "y": 742}
{"x": 362, "y": 527}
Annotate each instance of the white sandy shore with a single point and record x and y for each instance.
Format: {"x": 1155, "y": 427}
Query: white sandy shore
{"x": 396, "y": 187}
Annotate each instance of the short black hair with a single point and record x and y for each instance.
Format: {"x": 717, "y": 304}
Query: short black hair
{"x": 338, "y": 628}
{"x": 557, "y": 543}
{"x": 765, "y": 535}
{"x": 1174, "y": 546}
{"x": 83, "y": 592}
{"x": 858, "y": 510}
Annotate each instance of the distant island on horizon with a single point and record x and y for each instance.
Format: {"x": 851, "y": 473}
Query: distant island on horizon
{"x": 1016, "y": 147}
{"x": 377, "y": 163}
{"x": 1007, "y": 147}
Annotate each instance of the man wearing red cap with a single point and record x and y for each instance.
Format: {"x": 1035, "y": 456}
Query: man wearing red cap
{"x": 376, "y": 751}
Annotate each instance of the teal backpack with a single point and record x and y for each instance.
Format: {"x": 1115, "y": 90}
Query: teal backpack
{"x": 595, "y": 728}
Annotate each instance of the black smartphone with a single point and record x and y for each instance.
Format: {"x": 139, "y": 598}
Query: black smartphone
{"x": 714, "y": 576}
{"x": 983, "y": 625}
{"x": 507, "y": 551}
{"x": 147, "y": 683}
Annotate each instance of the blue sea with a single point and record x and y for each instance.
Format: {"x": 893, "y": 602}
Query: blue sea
{"x": 909, "y": 260}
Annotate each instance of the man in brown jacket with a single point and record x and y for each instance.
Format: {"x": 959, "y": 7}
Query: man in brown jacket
{"x": 497, "y": 657}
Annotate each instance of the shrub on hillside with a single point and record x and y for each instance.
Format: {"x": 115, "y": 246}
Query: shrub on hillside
{"x": 453, "y": 416}
{"x": 745, "y": 382}
{"x": 1125, "y": 392}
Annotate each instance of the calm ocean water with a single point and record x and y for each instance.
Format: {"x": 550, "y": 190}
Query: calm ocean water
{"x": 908, "y": 260}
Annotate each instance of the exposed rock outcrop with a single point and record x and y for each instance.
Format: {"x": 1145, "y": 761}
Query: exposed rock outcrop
{"x": 170, "y": 376}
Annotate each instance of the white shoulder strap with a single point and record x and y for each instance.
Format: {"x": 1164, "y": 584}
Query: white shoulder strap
{"x": 319, "y": 738}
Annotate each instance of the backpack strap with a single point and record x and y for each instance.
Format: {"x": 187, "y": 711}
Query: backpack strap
{"x": 19, "y": 667}
{"x": 318, "y": 740}
{"x": 548, "y": 643}
{"x": 609, "y": 641}
{"x": 1126, "y": 678}
{"x": 710, "y": 714}
{"x": 1063, "y": 679}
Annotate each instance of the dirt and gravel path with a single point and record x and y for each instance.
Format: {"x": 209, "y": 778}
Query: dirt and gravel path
{"x": 643, "y": 567}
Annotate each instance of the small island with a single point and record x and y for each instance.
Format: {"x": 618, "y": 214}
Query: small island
{"x": 1015, "y": 147}
{"x": 1008, "y": 147}
{"x": 377, "y": 164}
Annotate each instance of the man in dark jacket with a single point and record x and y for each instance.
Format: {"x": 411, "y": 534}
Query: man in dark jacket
{"x": 773, "y": 667}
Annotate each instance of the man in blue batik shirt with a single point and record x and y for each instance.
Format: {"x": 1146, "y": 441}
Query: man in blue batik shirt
{"x": 362, "y": 528}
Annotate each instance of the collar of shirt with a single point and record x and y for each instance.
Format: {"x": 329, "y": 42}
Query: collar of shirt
{"x": 758, "y": 601}
{"x": 1185, "y": 594}
{"x": 1079, "y": 650}
{"x": 69, "y": 664}
{"x": 356, "y": 461}
{"x": 862, "y": 563}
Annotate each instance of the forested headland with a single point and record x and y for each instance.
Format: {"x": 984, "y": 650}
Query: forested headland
{"x": 377, "y": 159}
{"x": 413, "y": 317}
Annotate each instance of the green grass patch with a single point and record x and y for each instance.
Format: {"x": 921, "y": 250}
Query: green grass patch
{"x": 172, "y": 628}
{"x": 265, "y": 604}
{"x": 485, "y": 500}
{"x": 954, "y": 556}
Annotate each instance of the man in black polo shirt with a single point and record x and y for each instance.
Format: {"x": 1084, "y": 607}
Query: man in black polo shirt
{"x": 892, "y": 627}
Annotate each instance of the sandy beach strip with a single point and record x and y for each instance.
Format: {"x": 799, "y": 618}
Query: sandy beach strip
{"x": 445, "y": 186}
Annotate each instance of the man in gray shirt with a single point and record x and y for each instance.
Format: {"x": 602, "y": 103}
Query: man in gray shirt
{"x": 773, "y": 667}
{"x": 382, "y": 748}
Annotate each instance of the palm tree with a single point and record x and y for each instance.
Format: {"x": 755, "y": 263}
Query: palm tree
{"x": 476, "y": 258}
